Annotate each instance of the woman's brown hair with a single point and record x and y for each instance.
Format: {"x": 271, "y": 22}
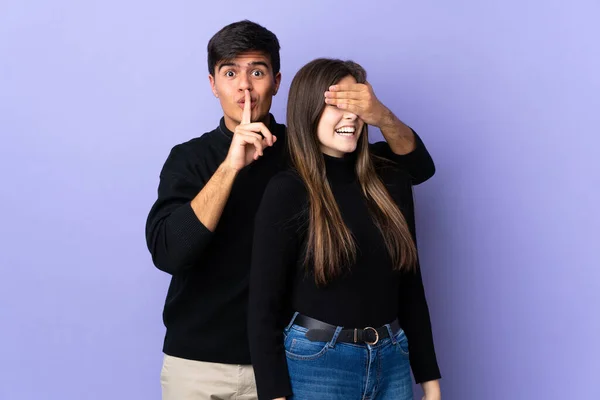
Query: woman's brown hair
{"x": 330, "y": 244}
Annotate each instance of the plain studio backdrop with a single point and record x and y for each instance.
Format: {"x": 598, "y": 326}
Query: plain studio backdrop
{"x": 93, "y": 95}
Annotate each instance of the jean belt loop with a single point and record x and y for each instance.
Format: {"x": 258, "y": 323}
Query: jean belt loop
{"x": 392, "y": 336}
{"x": 292, "y": 321}
{"x": 335, "y": 336}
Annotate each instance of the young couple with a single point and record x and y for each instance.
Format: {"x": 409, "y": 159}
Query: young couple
{"x": 292, "y": 251}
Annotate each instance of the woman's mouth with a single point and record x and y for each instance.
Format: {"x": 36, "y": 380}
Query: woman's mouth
{"x": 346, "y": 131}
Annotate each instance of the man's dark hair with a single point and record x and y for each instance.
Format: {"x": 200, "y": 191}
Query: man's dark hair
{"x": 241, "y": 37}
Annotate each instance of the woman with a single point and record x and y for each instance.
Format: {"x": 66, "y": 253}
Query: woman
{"x": 334, "y": 251}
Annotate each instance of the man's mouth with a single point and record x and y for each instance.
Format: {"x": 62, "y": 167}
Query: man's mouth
{"x": 242, "y": 103}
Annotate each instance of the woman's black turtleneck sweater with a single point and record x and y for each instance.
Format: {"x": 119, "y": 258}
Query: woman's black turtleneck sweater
{"x": 368, "y": 293}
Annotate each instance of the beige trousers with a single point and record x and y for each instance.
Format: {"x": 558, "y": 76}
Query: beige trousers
{"x": 183, "y": 379}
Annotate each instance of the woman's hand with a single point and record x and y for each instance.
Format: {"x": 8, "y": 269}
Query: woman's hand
{"x": 432, "y": 390}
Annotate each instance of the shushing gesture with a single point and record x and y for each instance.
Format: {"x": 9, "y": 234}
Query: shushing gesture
{"x": 249, "y": 139}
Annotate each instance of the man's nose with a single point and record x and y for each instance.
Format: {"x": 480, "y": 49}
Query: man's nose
{"x": 245, "y": 83}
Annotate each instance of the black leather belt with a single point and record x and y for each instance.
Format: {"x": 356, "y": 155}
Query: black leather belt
{"x": 319, "y": 331}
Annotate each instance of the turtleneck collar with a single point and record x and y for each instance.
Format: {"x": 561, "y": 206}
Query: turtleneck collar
{"x": 341, "y": 170}
{"x": 225, "y": 130}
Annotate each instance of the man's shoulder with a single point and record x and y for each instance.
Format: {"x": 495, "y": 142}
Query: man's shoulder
{"x": 201, "y": 144}
{"x": 279, "y": 128}
{"x": 208, "y": 150}
{"x": 199, "y": 155}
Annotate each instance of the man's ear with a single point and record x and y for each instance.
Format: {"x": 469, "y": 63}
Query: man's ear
{"x": 277, "y": 83}
{"x": 211, "y": 79}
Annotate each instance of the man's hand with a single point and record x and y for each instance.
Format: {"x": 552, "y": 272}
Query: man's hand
{"x": 359, "y": 99}
{"x": 247, "y": 144}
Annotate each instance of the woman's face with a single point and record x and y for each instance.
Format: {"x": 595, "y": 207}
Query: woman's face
{"x": 338, "y": 130}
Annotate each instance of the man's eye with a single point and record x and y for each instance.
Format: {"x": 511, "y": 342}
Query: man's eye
{"x": 257, "y": 73}
{"x": 229, "y": 74}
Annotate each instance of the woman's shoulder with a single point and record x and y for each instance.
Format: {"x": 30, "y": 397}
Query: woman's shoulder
{"x": 286, "y": 181}
{"x": 285, "y": 191}
{"x": 284, "y": 202}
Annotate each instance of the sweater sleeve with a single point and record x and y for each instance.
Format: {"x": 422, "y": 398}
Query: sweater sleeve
{"x": 418, "y": 163}
{"x": 174, "y": 235}
{"x": 274, "y": 258}
{"x": 414, "y": 313}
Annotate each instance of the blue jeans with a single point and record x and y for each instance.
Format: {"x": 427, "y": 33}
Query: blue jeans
{"x": 334, "y": 370}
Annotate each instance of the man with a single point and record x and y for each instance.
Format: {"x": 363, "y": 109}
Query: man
{"x": 200, "y": 228}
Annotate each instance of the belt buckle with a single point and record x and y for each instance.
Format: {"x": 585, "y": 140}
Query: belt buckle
{"x": 376, "y": 336}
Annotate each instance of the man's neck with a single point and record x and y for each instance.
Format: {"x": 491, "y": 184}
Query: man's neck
{"x": 231, "y": 124}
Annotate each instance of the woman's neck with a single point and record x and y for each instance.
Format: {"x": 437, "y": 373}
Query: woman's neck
{"x": 341, "y": 169}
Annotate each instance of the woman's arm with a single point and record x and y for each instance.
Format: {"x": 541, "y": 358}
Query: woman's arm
{"x": 414, "y": 311}
{"x": 431, "y": 390}
{"x": 274, "y": 258}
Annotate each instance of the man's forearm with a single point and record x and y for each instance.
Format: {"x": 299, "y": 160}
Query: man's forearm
{"x": 400, "y": 137}
{"x": 208, "y": 205}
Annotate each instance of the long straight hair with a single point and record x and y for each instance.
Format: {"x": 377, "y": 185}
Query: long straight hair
{"x": 330, "y": 244}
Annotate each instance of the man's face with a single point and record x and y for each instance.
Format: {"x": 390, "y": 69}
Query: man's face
{"x": 252, "y": 71}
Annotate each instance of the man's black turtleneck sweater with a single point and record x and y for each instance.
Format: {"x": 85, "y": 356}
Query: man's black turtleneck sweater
{"x": 205, "y": 311}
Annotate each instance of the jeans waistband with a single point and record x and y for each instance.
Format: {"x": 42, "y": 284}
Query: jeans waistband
{"x": 318, "y": 331}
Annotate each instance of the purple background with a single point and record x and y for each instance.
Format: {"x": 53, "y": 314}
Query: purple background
{"x": 94, "y": 94}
